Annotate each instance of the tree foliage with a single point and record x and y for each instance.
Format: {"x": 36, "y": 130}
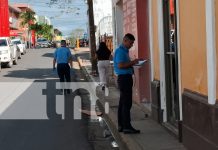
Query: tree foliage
{"x": 77, "y": 33}
{"x": 42, "y": 30}
{"x": 28, "y": 18}
{"x": 46, "y": 31}
{"x": 57, "y": 32}
{"x": 37, "y": 27}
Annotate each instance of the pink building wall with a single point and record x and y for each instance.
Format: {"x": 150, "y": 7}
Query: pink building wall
{"x": 135, "y": 21}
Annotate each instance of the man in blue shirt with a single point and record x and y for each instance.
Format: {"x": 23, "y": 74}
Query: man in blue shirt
{"x": 123, "y": 67}
{"x": 63, "y": 57}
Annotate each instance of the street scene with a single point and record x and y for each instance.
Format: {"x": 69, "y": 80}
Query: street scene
{"x": 23, "y": 122}
{"x": 108, "y": 74}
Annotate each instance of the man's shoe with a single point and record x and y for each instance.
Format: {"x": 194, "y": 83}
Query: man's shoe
{"x": 131, "y": 131}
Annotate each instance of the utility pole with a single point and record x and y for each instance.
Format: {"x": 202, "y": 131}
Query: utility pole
{"x": 92, "y": 43}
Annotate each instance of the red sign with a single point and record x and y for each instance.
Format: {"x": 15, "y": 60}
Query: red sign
{"x": 172, "y": 7}
{"x": 4, "y": 15}
{"x": 33, "y": 37}
{"x": 16, "y": 32}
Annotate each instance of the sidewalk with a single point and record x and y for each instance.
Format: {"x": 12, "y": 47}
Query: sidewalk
{"x": 152, "y": 137}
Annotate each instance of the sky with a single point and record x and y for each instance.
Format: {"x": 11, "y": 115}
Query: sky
{"x": 66, "y": 15}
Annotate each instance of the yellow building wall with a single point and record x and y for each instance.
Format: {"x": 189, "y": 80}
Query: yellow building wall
{"x": 58, "y": 38}
{"x": 156, "y": 53}
{"x": 193, "y": 45}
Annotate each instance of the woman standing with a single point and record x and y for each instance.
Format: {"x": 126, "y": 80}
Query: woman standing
{"x": 103, "y": 56}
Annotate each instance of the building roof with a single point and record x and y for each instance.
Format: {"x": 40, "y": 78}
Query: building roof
{"x": 24, "y": 6}
{"x": 15, "y": 9}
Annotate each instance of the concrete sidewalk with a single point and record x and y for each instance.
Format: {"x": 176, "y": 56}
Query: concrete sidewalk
{"x": 153, "y": 136}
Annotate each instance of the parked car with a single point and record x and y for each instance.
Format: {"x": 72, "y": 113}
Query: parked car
{"x": 42, "y": 42}
{"x": 56, "y": 44}
{"x": 20, "y": 44}
{"x": 8, "y": 52}
{"x": 0, "y": 64}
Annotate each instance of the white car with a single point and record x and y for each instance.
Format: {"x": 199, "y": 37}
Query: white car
{"x": 20, "y": 44}
{"x": 8, "y": 52}
{"x": 42, "y": 42}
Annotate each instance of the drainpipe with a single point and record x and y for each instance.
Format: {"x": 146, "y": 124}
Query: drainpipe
{"x": 211, "y": 51}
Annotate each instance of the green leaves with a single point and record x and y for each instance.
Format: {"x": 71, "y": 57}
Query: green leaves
{"x": 43, "y": 30}
{"x": 28, "y": 18}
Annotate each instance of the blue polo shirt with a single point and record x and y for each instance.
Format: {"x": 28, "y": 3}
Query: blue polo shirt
{"x": 62, "y": 55}
{"x": 121, "y": 56}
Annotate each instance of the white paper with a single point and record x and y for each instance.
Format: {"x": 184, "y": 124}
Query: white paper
{"x": 141, "y": 62}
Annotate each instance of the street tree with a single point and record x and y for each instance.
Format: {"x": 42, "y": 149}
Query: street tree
{"x": 46, "y": 31}
{"x": 37, "y": 28}
{"x": 42, "y": 30}
{"x": 27, "y": 19}
{"x": 77, "y": 33}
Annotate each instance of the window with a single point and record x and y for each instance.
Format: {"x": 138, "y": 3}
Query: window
{"x": 3, "y": 42}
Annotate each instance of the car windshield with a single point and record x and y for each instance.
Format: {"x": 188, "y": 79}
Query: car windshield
{"x": 3, "y": 42}
{"x": 16, "y": 42}
{"x": 41, "y": 40}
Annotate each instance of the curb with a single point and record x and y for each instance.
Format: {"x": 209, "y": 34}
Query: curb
{"x": 124, "y": 141}
{"x": 79, "y": 60}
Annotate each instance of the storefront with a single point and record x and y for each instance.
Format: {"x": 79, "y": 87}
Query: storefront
{"x": 184, "y": 87}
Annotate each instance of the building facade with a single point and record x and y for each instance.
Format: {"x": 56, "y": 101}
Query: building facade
{"x": 14, "y": 22}
{"x": 179, "y": 37}
{"x": 105, "y": 32}
{"x": 10, "y": 21}
{"x": 43, "y": 20}
{"x": 131, "y": 16}
{"x": 103, "y": 22}
{"x": 28, "y": 36}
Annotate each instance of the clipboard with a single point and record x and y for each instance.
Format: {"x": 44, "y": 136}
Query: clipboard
{"x": 141, "y": 62}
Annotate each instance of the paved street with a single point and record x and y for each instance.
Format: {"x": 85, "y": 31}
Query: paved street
{"x": 31, "y": 118}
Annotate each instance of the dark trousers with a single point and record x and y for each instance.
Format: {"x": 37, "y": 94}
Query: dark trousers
{"x": 64, "y": 72}
{"x": 125, "y": 83}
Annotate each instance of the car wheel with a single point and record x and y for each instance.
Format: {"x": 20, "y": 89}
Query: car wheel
{"x": 15, "y": 60}
{"x": 19, "y": 57}
{"x": 24, "y": 51}
{"x": 9, "y": 64}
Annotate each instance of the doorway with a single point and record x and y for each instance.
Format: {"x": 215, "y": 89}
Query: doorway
{"x": 171, "y": 62}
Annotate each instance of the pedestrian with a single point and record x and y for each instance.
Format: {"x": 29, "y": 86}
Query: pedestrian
{"x": 103, "y": 56}
{"x": 123, "y": 67}
{"x": 63, "y": 57}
